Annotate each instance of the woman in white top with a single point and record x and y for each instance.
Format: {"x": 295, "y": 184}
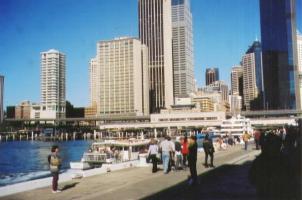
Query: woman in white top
{"x": 153, "y": 151}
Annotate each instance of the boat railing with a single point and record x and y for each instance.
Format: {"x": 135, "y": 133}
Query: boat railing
{"x": 95, "y": 157}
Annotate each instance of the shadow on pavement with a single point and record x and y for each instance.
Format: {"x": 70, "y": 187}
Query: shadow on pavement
{"x": 70, "y": 185}
{"x": 224, "y": 182}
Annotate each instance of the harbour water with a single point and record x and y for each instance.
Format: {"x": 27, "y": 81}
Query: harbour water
{"x": 27, "y": 160}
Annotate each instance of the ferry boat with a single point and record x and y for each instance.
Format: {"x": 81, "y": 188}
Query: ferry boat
{"x": 236, "y": 126}
{"x": 111, "y": 151}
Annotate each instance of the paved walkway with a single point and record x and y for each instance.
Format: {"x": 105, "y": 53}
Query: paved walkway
{"x": 140, "y": 183}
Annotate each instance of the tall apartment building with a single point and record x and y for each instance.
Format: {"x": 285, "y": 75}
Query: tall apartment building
{"x": 1, "y": 98}
{"x": 122, "y": 83}
{"x": 155, "y": 31}
{"x": 182, "y": 48}
{"x": 279, "y": 49}
{"x": 94, "y": 74}
{"x": 212, "y": 75}
{"x": 237, "y": 80}
{"x": 299, "y": 56}
{"x": 252, "y": 77}
{"x": 53, "y": 89}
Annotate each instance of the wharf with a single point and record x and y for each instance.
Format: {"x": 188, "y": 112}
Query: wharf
{"x": 229, "y": 179}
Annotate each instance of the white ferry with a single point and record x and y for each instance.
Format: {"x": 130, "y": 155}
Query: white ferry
{"x": 236, "y": 126}
{"x": 111, "y": 151}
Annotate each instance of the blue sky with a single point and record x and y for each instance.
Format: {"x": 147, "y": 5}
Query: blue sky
{"x": 223, "y": 30}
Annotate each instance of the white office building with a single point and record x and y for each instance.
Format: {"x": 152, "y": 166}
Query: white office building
{"x": 53, "y": 89}
{"x": 182, "y": 48}
{"x": 121, "y": 85}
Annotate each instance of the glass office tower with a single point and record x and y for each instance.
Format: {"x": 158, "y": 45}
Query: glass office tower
{"x": 278, "y": 38}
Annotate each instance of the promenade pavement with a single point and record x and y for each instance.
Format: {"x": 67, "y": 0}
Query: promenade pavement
{"x": 227, "y": 181}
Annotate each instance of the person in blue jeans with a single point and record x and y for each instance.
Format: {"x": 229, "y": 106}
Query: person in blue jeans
{"x": 166, "y": 148}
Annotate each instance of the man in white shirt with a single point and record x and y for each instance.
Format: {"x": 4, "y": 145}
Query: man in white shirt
{"x": 166, "y": 147}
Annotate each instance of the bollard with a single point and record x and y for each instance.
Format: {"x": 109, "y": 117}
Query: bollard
{"x": 74, "y": 135}
{"x": 20, "y": 137}
{"x": 13, "y": 137}
{"x": 66, "y": 136}
{"x": 0, "y": 138}
{"x": 32, "y": 135}
{"x": 6, "y": 138}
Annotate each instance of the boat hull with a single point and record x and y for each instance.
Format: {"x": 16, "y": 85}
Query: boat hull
{"x": 80, "y": 165}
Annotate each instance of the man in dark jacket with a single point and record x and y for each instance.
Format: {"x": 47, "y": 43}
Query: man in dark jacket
{"x": 208, "y": 150}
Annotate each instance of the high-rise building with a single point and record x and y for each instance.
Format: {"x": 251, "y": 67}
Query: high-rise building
{"x": 94, "y": 88}
{"x": 123, "y": 78}
{"x": 155, "y": 31}
{"x": 278, "y": 40}
{"x": 212, "y": 75}
{"x": 252, "y": 77}
{"x": 1, "y": 98}
{"x": 53, "y": 83}
{"x": 220, "y": 87}
{"x": 204, "y": 103}
{"x": 235, "y": 102}
{"x": 237, "y": 80}
{"x": 299, "y": 56}
{"x": 182, "y": 48}
{"x": 299, "y": 51}
{"x": 22, "y": 111}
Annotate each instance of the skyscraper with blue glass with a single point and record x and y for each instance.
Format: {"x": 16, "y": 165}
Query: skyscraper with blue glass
{"x": 278, "y": 38}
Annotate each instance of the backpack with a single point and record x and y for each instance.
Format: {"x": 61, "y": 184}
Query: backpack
{"x": 54, "y": 163}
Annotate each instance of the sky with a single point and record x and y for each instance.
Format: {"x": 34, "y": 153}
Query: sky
{"x": 222, "y": 31}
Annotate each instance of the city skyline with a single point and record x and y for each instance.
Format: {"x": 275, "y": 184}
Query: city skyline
{"x": 18, "y": 30}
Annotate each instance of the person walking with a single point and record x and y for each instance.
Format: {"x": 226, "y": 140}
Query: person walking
{"x": 152, "y": 152}
{"x": 184, "y": 151}
{"x": 178, "y": 156}
{"x": 171, "y": 163}
{"x": 208, "y": 150}
{"x": 192, "y": 159}
{"x": 245, "y": 138}
{"x": 166, "y": 149}
{"x": 257, "y": 138}
{"x": 54, "y": 162}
